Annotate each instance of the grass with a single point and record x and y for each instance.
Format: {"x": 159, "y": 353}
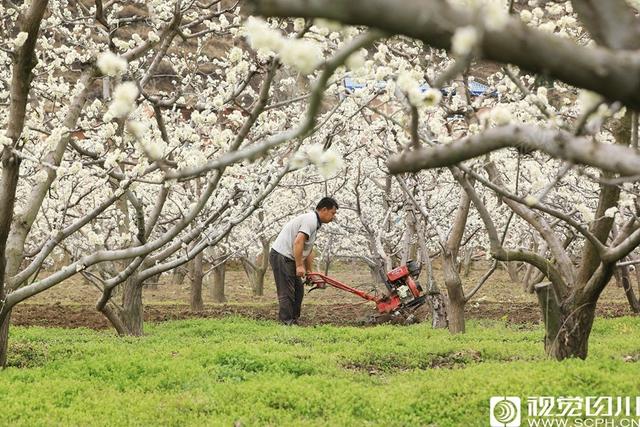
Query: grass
{"x": 244, "y": 372}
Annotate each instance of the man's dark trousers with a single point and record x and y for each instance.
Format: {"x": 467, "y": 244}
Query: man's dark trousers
{"x": 289, "y": 287}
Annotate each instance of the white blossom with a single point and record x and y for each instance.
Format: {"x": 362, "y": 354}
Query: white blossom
{"x": 432, "y": 97}
{"x": 154, "y": 150}
{"x": 634, "y": 4}
{"x": 303, "y": 55}
{"x": 500, "y": 115}
{"x": 137, "y": 129}
{"x": 111, "y": 64}
{"x": 235, "y": 55}
{"x": 261, "y": 36}
{"x": 153, "y": 36}
{"x": 464, "y": 40}
{"x": 611, "y": 212}
{"x": 299, "y": 160}
{"x": 586, "y": 213}
{"x": 356, "y": 60}
{"x": 526, "y": 16}
{"x": 588, "y": 100}
{"x": 495, "y": 15}
{"x": 314, "y": 152}
{"x": 4, "y": 140}
{"x": 330, "y": 163}
{"x": 20, "y": 39}
{"x": 124, "y": 98}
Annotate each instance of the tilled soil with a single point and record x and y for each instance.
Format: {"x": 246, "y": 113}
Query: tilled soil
{"x": 73, "y": 316}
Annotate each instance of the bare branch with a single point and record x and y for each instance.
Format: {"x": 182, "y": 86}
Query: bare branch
{"x": 557, "y": 143}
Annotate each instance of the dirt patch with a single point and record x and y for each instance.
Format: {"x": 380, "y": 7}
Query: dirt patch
{"x": 72, "y": 303}
{"x": 351, "y": 314}
{"x": 453, "y": 360}
{"x": 73, "y": 316}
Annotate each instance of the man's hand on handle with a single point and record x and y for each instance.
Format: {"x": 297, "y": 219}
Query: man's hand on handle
{"x": 300, "y": 271}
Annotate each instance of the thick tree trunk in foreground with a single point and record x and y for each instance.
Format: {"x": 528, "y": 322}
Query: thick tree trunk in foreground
{"x": 196, "y": 284}
{"x": 132, "y": 309}
{"x": 567, "y": 328}
{"x": 4, "y": 339}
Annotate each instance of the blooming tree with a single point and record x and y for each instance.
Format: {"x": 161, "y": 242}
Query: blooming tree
{"x": 595, "y": 42}
{"x": 132, "y": 152}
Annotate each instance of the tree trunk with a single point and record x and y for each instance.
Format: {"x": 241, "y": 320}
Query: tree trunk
{"x": 132, "y": 309}
{"x": 217, "y": 290}
{"x": 434, "y": 296}
{"x": 567, "y": 326}
{"x": 455, "y": 308}
{"x": 178, "y": 276}
{"x": 4, "y": 339}
{"x": 114, "y": 316}
{"x": 196, "y": 284}
{"x": 512, "y": 270}
{"x": 10, "y": 172}
{"x": 466, "y": 263}
{"x": 622, "y": 279}
{"x": 438, "y": 310}
{"x": 258, "y": 284}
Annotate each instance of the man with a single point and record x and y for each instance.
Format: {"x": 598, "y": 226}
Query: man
{"x": 291, "y": 257}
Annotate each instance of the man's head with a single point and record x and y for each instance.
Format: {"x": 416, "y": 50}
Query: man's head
{"x": 326, "y": 209}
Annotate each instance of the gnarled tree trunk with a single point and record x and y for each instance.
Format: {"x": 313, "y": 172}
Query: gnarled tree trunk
{"x": 567, "y": 326}
{"x": 132, "y": 314}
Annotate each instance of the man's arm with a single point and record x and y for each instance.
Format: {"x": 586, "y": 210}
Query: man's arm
{"x": 298, "y": 246}
{"x": 308, "y": 262}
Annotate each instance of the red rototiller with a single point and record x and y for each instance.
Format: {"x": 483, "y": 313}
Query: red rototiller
{"x": 404, "y": 291}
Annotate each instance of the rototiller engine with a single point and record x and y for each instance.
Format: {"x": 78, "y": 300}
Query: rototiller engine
{"x": 404, "y": 291}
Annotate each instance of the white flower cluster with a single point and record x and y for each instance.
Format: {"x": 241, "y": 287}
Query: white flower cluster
{"x": 262, "y": 36}
{"x": 54, "y": 138}
{"x": 4, "y": 140}
{"x": 500, "y": 115}
{"x": 634, "y": 4}
{"x": 586, "y": 213}
{"x": 417, "y": 97}
{"x": 303, "y": 55}
{"x": 495, "y": 16}
{"x": 124, "y": 101}
{"x": 328, "y": 162}
{"x": 464, "y": 40}
{"x": 137, "y": 129}
{"x": 587, "y": 100}
{"x": 20, "y": 39}
{"x": 111, "y": 64}
{"x": 611, "y": 212}
{"x": 154, "y": 149}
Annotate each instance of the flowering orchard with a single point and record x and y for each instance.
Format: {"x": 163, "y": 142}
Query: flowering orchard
{"x": 138, "y": 136}
{"x": 143, "y": 136}
{"x": 540, "y": 169}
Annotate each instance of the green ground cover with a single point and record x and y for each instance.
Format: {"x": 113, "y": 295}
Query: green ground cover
{"x": 253, "y": 373}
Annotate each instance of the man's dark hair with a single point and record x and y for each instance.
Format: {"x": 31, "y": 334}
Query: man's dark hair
{"x": 327, "y": 202}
